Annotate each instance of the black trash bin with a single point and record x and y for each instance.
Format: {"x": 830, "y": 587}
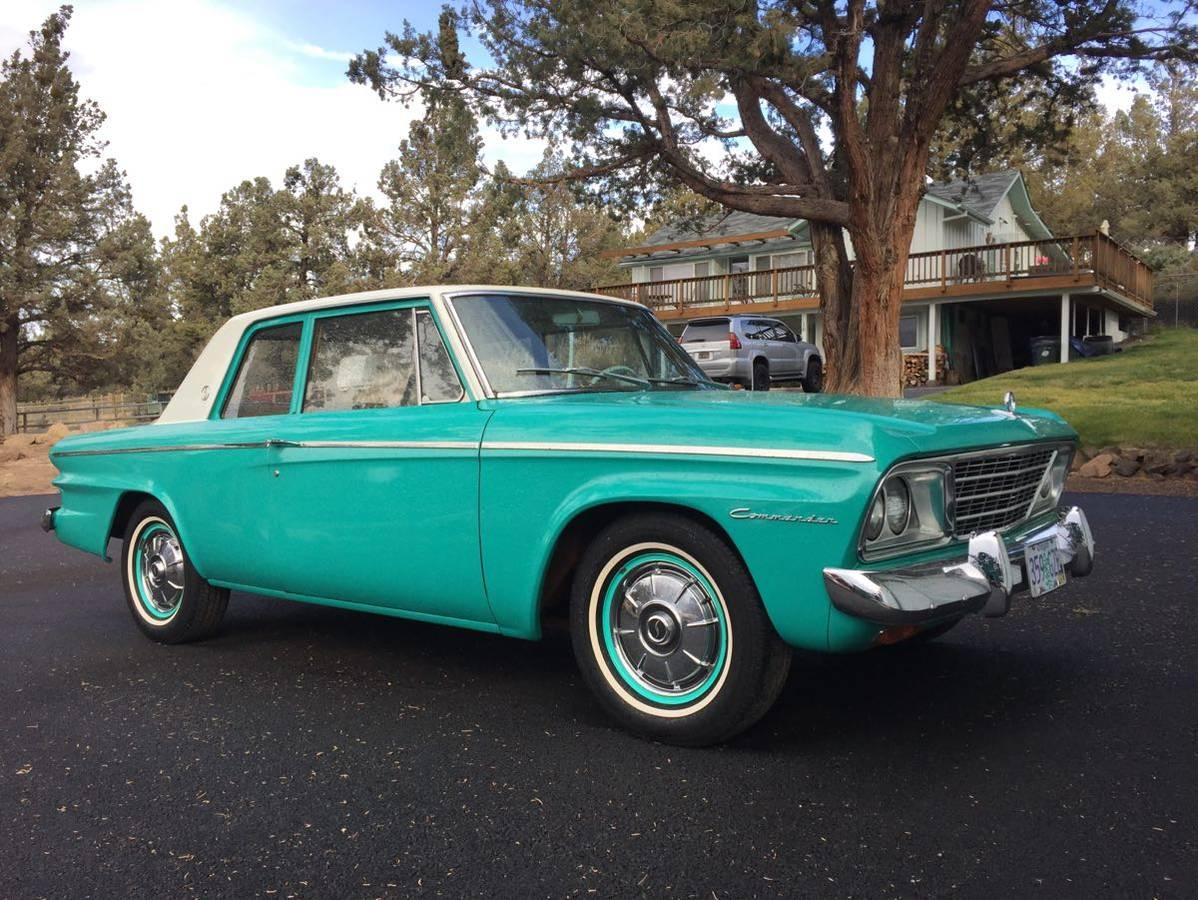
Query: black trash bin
{"x": 1045, "y": 350}
{"x": 1099, "y": 344}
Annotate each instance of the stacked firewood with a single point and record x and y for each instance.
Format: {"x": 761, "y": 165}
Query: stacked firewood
{"x": 915, "y": 367}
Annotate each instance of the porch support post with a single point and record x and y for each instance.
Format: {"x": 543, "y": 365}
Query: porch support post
{"x": 933, "y": 339}
{"x": 806, "y": 326}
{"x": 1065, "y": 328}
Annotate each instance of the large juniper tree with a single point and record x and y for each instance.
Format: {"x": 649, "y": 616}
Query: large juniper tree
{"x": 640, "y": 89}
{"x": 66, "y": 238}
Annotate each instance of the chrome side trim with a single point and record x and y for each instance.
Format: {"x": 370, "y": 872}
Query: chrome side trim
{"x": 391, "y": 445}
{"x": 508, "y": 447}
{"x": 279, "y": 444}
{"x": 255, "y": 445}
{"x": 676, "y": 450}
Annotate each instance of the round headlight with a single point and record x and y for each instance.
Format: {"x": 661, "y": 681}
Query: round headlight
{"x": 877, "y": 516}
{"x": 898, "y": 505}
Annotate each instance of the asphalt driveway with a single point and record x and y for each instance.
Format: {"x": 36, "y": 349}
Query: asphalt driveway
{"x": 315, "y": 752}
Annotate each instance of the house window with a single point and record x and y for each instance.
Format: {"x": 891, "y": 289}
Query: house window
{"x": 672, "y": 272}
{"x": 790, "y": 260}
{"x": 909, "y": 332}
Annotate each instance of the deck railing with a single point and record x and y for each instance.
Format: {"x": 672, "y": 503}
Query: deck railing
{"x": 963, "y": 272}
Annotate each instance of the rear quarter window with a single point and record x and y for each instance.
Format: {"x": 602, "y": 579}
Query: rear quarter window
{"x": 266, "y": 376}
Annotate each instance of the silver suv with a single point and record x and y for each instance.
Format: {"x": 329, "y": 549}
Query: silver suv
{"x": 753, "y": 352}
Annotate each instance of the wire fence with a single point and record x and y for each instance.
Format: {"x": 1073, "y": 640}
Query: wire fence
{"x": 1175, "y": 299}
{"x": 106, "y": 409}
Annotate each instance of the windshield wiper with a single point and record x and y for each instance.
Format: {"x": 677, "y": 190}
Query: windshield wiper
{"x": 587, "y": 372}
{"x": 677, "y": 379}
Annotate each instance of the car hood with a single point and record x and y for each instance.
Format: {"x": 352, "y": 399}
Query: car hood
{"x": 883, "y": 428}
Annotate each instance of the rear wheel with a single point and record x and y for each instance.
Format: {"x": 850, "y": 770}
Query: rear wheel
{"x": 169, "y": 600}
{"x": 761, "y": 375}
{"x": 813, "y": 378}
{"x": 670, "y": 634}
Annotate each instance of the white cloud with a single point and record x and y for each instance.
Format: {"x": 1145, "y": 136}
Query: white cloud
{"x": 200, "y": 96}
{"x": 1118, "y": 95}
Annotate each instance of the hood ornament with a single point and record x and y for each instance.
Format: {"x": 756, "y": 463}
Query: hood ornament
{"x": 1008, "y": 401}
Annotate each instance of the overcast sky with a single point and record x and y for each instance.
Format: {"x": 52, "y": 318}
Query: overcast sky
{"x": 201, "y": 94}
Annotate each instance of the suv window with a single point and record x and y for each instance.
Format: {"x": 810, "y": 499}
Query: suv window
{"x": 785, "y": 334}
{"x": 759, "y": 330}
{"x": 362, "y": 361}
{"x": 706, "y": 330}
{"x": 266, "y": 377}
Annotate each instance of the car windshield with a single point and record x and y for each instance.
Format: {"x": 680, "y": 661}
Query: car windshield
{"x": 539, "y": 344}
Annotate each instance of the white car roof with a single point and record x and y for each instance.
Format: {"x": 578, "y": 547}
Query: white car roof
{"x": 193, "y": 400}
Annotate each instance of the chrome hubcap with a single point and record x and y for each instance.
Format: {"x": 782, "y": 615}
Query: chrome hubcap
{"x": 160, "y": 571}
{"x": 666, "y": 628}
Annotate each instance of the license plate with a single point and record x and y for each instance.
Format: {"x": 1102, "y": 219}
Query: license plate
{"x": 703, "y": 354}
{"x": 1044, "y": 570}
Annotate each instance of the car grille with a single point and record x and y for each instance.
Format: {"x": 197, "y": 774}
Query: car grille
{"x": 995, "y": 491}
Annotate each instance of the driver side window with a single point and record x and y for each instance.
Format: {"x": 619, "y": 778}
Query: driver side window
{"x": 362, "y": 361}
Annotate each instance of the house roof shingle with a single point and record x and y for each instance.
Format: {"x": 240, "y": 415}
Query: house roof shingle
{"x": 719, "y": 225}
{"x": 979, "y": 194}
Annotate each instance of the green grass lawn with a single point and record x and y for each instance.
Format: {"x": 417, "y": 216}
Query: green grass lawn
{"x": 1146, "y": 396}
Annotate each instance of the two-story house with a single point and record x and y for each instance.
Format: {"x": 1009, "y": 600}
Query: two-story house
{"x": 987, "y": 283}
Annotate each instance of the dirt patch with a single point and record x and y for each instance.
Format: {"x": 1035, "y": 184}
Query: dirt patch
{"x": 25, "y": 470}
{"x": 1165, "y": 487}
{"x": 25, "y": 466}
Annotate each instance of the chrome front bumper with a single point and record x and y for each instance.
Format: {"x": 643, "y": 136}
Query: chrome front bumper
{"x": 984, "y": 582}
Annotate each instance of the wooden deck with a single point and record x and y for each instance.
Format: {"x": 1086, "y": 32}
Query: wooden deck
{"x": 990, "y": 271}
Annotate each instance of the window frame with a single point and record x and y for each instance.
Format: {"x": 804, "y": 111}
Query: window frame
{"x": 915, "y": 347}
{"x": 234, "y": 370}
{"x": 303, "y": 358}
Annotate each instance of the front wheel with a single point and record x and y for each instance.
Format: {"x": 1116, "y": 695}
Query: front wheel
{"x": 169, "y": 600}
{"x": 670, "y": 634}
{"x": 813, "y": 378}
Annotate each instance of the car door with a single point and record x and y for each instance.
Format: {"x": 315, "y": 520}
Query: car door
{"x": 789, "y": 350}
{"x": 374, "y": 496}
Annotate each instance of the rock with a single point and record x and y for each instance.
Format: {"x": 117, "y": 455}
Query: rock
{"x": 1088, "y": 452}
{"x": 1126, "y": 467}
{"x": 1078, "y": 461}
{"x": 1157, "y": 468}
{"x": 1099, "y": 466}
{"x": 1183, "y": 456}
{"x": 56, "y": 433}
{"x": 1107, "y": 451}
{"x": 1133, "y": 453}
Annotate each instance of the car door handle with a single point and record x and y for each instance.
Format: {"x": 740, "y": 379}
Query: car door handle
{"x": 279, "y": 442}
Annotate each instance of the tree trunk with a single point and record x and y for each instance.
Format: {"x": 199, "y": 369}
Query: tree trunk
{"x": 834, "y": 279}
{"x": 9, "y": 330}
{"x": 862, "y": 304}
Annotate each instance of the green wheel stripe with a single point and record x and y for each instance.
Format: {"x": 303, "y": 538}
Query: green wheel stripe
{"x": 616, "y": 658}
{"x": 146, "y": 602}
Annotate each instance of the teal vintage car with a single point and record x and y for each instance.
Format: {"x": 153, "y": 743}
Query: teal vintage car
{"x": 485, "y": 456}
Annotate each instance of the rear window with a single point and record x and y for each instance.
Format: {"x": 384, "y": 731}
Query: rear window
{"x": 707, "y": 330}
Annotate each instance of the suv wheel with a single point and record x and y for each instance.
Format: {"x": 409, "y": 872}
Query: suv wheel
{"x": 761, "y": 375}
{"x": 813, "y": 378}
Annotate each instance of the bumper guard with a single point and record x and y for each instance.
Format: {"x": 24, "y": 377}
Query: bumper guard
{"x": 984, "y": 582}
